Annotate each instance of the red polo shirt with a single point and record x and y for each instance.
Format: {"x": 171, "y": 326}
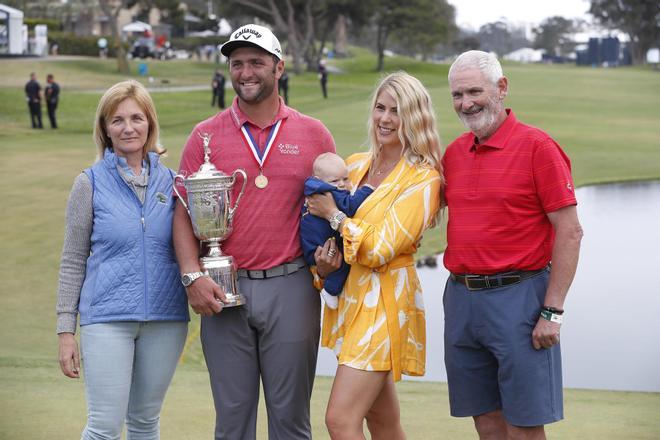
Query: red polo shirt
{"x": 498, "y": 194}
{"x": 266, "y": 223}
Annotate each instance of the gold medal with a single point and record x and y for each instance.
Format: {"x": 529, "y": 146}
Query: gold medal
{"x": 261, "y": 181}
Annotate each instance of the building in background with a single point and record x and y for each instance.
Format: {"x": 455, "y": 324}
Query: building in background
{"x": 603, "y": 52}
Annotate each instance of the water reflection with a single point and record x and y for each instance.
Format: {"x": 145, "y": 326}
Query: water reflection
{"x": 611, "y": 332}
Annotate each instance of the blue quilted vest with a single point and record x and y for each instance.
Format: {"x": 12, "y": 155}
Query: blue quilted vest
{"x": 132, "y": 273}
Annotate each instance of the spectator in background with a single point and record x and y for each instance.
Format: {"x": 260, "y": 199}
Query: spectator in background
{"x": 283, "y": 84}
{"x": 52, "y": 95}
{"x": 323, "y": 77}
{"x": 102, "y": 44}
{"x": 218, "y": 88}
{"x": 33, "y": 96}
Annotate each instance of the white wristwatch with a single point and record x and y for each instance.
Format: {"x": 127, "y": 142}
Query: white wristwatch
{"x": 336, "y": 219}
{"x": 188, "y": 278}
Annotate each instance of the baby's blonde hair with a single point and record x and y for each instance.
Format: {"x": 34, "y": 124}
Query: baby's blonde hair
{"x": 323, "y": 159}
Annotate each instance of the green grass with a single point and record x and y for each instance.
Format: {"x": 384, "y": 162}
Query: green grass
{"x": 605, "y": 119}
{"x": 37, "y": 402}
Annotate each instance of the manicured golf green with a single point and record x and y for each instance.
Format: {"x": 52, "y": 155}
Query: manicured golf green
{"x": 603, "y": 118}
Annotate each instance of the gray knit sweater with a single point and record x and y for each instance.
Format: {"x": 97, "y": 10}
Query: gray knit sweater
{"x": 77, "y": 242}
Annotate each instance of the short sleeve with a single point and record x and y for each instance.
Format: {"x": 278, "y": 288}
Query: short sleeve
{"x": 552, "y": 176}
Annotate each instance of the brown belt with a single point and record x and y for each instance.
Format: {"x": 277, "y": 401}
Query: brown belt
{"x": 481, "y": 282}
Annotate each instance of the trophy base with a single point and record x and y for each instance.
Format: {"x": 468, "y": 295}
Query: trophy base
{"x": 234, "y": 300}
{"x": 221, "y": 269}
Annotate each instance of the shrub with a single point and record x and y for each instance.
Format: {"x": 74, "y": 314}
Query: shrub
{"x": 71, "y": 44}
{"x": 191, "y": 43}
{"x": 53, "y": 24}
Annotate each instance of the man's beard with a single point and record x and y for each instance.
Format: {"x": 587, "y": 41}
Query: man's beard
{"x": 482, "y": 124}
{"x": 265, "y": 90}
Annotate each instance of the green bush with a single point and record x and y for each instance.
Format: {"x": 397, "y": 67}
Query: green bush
{"x": 53, "y": 24}
{"x": 71, "y": 44}
{"x": 191, "y": 43}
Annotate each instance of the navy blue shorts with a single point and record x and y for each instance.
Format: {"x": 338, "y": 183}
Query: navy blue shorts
{"x": 491, "y": 363}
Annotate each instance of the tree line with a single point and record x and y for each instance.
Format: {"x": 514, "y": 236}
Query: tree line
{"x": 424, "y": 28}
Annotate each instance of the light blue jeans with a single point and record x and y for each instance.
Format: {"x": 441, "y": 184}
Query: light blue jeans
{"x": 128, "y": 367}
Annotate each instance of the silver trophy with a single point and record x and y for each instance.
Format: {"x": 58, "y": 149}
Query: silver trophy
{"x": 211, "y": 214}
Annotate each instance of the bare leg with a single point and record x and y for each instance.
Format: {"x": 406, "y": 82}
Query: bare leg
{"x": 384, "y": 417}
{"x": 353, "y": 394}
{"x": 492, "y": 426}
{"x": 526, "y": 432}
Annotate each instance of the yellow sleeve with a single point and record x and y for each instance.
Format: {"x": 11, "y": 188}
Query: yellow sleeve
{"x": 401, "y": 227}
{"x": 318, "y": 281}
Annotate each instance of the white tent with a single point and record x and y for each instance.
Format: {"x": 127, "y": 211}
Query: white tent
{"x": 206, "y": 33}
{"x": 136, "y": 26}
{"x": 525, "y": 55}
{"x": 11, "y": 30}
{"x": 224, "y": 28}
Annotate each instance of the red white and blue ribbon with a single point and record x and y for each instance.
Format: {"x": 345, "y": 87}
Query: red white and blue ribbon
{"x": 259, "y": 155}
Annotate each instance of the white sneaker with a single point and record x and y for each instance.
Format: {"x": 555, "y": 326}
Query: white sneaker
{"x": 330, "y": 300}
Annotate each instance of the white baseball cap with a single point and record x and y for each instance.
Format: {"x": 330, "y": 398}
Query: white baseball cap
{"x": 253, "y": 35}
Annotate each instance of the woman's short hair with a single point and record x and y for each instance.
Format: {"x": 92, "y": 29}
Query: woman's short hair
{"x": 108, "y": 104}
{"x": 486, "y": 62}
{"x": 417, "y": 132}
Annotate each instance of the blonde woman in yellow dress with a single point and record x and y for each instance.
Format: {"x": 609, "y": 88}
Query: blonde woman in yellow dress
{"x": 378, "y": 330}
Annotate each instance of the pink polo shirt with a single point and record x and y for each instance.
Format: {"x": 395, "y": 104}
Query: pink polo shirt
{"x": 266, "y": 223}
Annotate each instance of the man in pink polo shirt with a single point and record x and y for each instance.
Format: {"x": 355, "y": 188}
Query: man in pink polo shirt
{"x": 274, "y": 336}
{"x": 512, "y": 212}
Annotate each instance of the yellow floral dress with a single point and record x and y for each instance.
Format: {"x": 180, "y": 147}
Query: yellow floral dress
{"x": 380, "y": 323}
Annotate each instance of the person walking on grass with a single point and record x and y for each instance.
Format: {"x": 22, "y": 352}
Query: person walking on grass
{"x": 52, "y": 95}
{"x": 218, "y": 89}
{"x": 33, "y": 98}
{"x": 323, "y": 78}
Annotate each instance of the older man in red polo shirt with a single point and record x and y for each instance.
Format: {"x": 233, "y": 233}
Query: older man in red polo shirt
{"x": 274, "y": 336}
{"x": 513, "y": 245}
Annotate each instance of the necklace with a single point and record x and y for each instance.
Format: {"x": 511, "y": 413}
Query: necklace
{"x": 388, "y": 167}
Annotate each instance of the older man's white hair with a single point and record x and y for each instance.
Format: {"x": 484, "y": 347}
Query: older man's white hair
{"x": 486, "y": 62}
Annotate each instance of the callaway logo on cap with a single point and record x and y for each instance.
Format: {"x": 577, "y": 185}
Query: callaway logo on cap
{"x": 253, "y": 35}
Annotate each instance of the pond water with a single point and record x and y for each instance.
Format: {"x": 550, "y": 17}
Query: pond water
{"x": 611, "y": 330}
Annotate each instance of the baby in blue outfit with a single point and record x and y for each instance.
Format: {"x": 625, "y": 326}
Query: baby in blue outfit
{"x": 330, "y": 175}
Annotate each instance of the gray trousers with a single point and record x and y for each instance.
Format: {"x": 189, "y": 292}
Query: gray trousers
{"x": 275, "y": 336}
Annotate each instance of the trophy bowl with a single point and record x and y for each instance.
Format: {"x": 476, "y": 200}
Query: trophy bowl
{"x": 209, "y": 206}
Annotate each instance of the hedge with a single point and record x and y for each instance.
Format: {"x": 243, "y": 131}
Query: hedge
{"x": 192, "y": 43}
{"x": 53, "y": 24}
{"x": 71, "y": 44}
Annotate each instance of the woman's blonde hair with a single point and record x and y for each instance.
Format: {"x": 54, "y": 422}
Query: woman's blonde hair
{"x": 417, "y": 132}
{"x": 108, "y": 104}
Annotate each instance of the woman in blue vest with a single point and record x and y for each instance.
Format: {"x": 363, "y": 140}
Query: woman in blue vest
{"x": 119, "y": 274}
